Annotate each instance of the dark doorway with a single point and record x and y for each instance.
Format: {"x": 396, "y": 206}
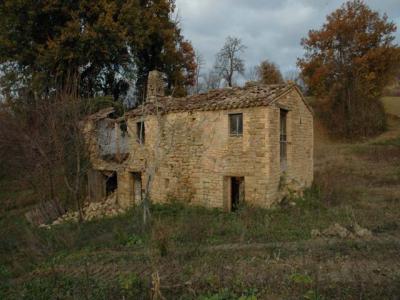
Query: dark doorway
{"x": 237, "y": 192}
{"x": 111, "y": 183}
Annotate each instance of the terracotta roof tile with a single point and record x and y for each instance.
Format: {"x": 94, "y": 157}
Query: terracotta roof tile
{"x": 221, "y": 99}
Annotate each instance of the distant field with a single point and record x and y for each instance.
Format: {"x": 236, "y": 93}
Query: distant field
{"x": 392, "y": 105}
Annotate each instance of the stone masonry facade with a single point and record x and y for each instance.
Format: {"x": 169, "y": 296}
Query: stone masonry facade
{"x": 188, "y": 154}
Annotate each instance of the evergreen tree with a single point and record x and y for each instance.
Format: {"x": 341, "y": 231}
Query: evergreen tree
{"x": 107, "y": 43}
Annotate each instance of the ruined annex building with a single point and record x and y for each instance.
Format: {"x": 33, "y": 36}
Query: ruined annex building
{"x": 218, "y": 149}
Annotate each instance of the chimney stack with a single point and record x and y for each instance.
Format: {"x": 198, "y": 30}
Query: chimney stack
{"x": 155, "y": 86}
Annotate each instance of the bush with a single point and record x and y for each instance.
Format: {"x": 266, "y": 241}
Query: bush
{"x": 132, "y": 285}
{"x": 367, "y": 118}
{"x": 226, "y": 294}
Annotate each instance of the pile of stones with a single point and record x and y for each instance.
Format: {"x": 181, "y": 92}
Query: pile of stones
{"x": 338, "y": 231}
{"x": 91, "y": 211}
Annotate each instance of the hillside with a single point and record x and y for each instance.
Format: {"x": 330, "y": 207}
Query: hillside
{"x": 392, "y": 105}
{"x": 293, "y": 251}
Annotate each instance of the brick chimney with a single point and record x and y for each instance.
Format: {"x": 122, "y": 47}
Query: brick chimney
{"x": 155, "y": 86}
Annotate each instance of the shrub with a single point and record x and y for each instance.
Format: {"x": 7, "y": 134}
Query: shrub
{"x": 132, "y": 286}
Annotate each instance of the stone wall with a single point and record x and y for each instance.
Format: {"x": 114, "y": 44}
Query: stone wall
{"x": 189, "y": 156}
{"x": 300, "y": 144}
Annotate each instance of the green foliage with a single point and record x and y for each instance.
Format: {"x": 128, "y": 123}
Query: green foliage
{"x": 121, "y": 242}
{"x": 304, "y": 282}
{"x": 301, "y": 278}
{"x": 132, "y": 285}
{"x": 391, "y": 142}
{"x": 128, "y": 240}
{"x": 4, "y": 280}
{"x": 107, "y": 44}
{"x": 64, "y": 287}
{"x": 226, "y": 294}
{"x": 95, "y": 104}
{"x": 313, "y": 295}
{"x": 134, "y": 240}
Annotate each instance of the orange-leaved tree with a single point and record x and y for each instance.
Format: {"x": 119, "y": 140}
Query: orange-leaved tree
{"x": 348, "y": 62}
{"x": 269, "y": 73}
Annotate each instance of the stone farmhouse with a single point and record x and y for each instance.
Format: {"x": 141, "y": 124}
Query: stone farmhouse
{"x": 219, "y": 149}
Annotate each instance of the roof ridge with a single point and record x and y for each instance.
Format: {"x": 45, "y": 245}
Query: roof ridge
{"x": 218, "y": 99}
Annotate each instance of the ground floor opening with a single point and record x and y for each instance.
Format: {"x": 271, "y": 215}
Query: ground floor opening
{"x": 111, "y": 180}
{"x": 137, "y": 187}
{"x": 101, "y": 184}
{"x": 237, "y": 192}
{"x": 234, "y": 194}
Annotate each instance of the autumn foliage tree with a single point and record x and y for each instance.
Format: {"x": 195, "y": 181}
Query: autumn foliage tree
{"x": 269, "y": 73}
{"x": 348, "y": 62}
{"x": 184, "y": 73}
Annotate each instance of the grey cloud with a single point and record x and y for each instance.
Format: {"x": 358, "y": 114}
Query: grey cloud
{"x": 270, "y": 29}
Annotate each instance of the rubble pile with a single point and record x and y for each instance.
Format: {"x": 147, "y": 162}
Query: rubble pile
{"x": 91, "y": 211}
{"x": 338, "y": 231}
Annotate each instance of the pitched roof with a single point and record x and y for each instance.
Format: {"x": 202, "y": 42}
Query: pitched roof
{"x": 222, "y": 99}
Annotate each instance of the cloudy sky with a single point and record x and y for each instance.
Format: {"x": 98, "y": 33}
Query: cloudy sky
{"x": 269, "y": 28}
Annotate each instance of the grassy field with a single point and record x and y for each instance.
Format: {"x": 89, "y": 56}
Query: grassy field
{"x": 195, "y": 253}
{"x": 392, "y": 105}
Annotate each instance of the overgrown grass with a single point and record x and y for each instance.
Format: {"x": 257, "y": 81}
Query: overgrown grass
{"x": 177, "y": 232}
{"x": 390, "y": 142}
{"x": 46, "y": 264}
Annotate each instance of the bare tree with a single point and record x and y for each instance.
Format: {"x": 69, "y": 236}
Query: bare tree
{"x": 252, "y": 74}
{"x": 43, "y": 139}
{"x": 71, "y": 146}
{"x": 293, "y": 76}
{"x": 211, "y": 81}
{"x": 200, "y": 63}
{"x": 229, "y": 61}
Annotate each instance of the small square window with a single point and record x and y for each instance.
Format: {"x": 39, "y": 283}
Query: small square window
{"x": 140, "y": 132}
{"x": 236, "y": 124}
